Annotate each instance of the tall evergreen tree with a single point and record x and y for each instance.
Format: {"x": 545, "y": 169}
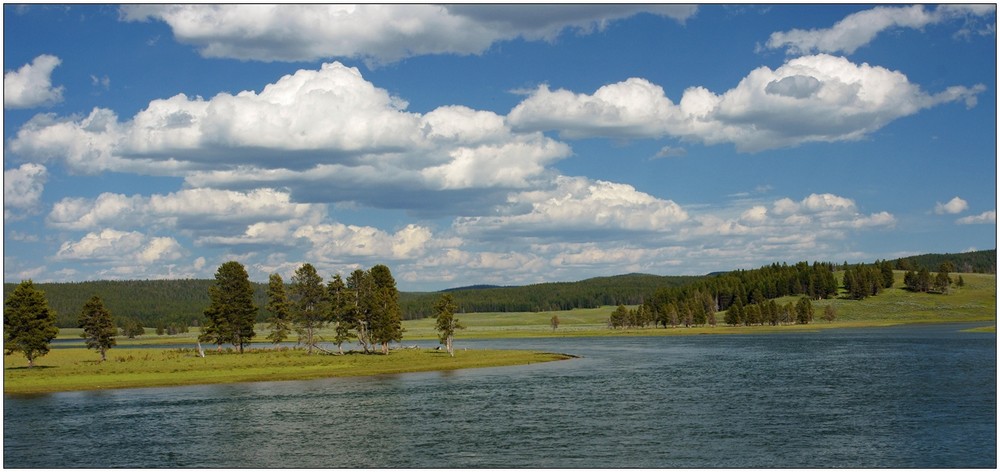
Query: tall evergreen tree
{"x": 98, "y": 328}
{"x": 734, "y": 315}
{"x": 28, "y": 323}
{"x": 341, "y": 313}
{"x": 310, "y": 313}
{"x": 358, "y": 305}
{"x": 386, "y": 315}
{"x": 231, "y": 312}
{"x": 130, "y": 328}
{"x": 942, "y": 280}
{"x": 281, "y": 310}
{"x": 804, "y": 310}
{"x": 446, "y": 323}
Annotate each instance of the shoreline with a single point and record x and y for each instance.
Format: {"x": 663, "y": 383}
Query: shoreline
{"x": 77, "y": 369}
{"x": 145, "y": 365}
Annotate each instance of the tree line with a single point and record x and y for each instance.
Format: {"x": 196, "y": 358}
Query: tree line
{"x": 364, "y": 307}
{"x": 744, "y": 294}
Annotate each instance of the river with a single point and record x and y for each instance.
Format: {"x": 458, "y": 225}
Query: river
{"x": 903, "y": 397}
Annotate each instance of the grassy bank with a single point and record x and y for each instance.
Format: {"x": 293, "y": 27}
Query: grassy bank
{"x": 78, "y": 369}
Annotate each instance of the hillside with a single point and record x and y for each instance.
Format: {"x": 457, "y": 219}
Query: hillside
{"x": 629, "y": 289}
{"x": 154, "y": 302}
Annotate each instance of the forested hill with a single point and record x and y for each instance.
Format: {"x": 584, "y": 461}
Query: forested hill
{"x": 630, "y": 289}
{"x": 180, "y": 302}
{"x": 151, "y": 302}
{"x": 983, "y": 262}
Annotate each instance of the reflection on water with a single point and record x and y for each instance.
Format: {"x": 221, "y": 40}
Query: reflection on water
{"x": 892, "y": 397}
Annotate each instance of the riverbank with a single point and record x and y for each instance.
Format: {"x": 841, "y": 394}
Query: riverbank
{"x": 78, "y": 369}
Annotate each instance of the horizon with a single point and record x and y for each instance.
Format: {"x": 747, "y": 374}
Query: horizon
{"x": 491, "y": 286}
{"x": 503, "y": 144}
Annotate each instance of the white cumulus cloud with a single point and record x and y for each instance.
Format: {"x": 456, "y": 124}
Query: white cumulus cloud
{"x": 577, "y": 204}
{"x": 120, "y": 247}
{"x": 954, "y": 206}
{"x": 201, "y": 209}
{"x": 985, "y": 217}
{"x": 859, "y": 29}
{"x": 376, "y": 33}
{"x": 340, "y": 243}
{"x": 22, "y": 189}
{"x": 818, "y": 98}
{"x": 329, "y": 134}
{"x": 31, "y": 85}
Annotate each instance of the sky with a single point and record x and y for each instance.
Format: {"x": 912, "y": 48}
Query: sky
{"x": 503, "y": 144}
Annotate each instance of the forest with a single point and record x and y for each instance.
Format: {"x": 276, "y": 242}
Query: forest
{"x": 154, "y": 303}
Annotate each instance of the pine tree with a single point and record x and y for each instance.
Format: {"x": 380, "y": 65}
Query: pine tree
{"x": 358, "y": 307}
{"x": 446, "y": 323}
{"x": 386, "y": 316}
{"x": 28, "y": 323}
{"x": 98, "y": 328}
{"x": 309, "y": 311}
{"x": 829, "y": 313}
{"x": 734, "y": 315}
{"x": 231, "y": 311}
{"x": 340, "y": 311}
{"x": 280, "y": 308}
{"x": 804, "y": 310}
{"x": 942, "y": 280}
{"x": 130, "y": 328}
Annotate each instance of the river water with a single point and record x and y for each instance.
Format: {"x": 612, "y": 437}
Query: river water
{"x": 911, "y": 396}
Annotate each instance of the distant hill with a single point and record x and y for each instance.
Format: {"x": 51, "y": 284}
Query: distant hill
{"x": 982, "y": 262}
{"x": 472, "y": 287}
{"x": 154, "y": 302}
{"x": 151, "y": 302}
{"x": 629, "y": 289}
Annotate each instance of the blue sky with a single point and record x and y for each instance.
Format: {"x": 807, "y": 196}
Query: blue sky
{"x": 505, "y": 145}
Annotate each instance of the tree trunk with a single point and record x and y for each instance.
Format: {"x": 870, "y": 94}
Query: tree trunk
{"x": 451, "y": 349}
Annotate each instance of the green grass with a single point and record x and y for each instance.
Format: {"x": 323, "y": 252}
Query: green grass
{"x": 79, "y": 369}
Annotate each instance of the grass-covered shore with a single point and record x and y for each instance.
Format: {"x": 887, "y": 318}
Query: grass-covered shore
{"x": 79, "y": 369}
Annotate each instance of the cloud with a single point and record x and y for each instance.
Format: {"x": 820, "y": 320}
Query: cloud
{"x": 819, "y": 98}
{"x": 576, "y": 205}
{"x": 629, "y": 109}
{"x": 376, "y": 33}
{"x": 342, "y": 244}
{"x": 327, "y": 133}
{"x": 31, "y": 85}
{"x": 985, "y": 217}
{"x": 22, "y": 189}
{"x": 120, "y": 248}
{"x": 193, "y": 209}
{"x": 669, "y": 151}
{"x": 954, "y": 206}
{"x": 859, "y": 29}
